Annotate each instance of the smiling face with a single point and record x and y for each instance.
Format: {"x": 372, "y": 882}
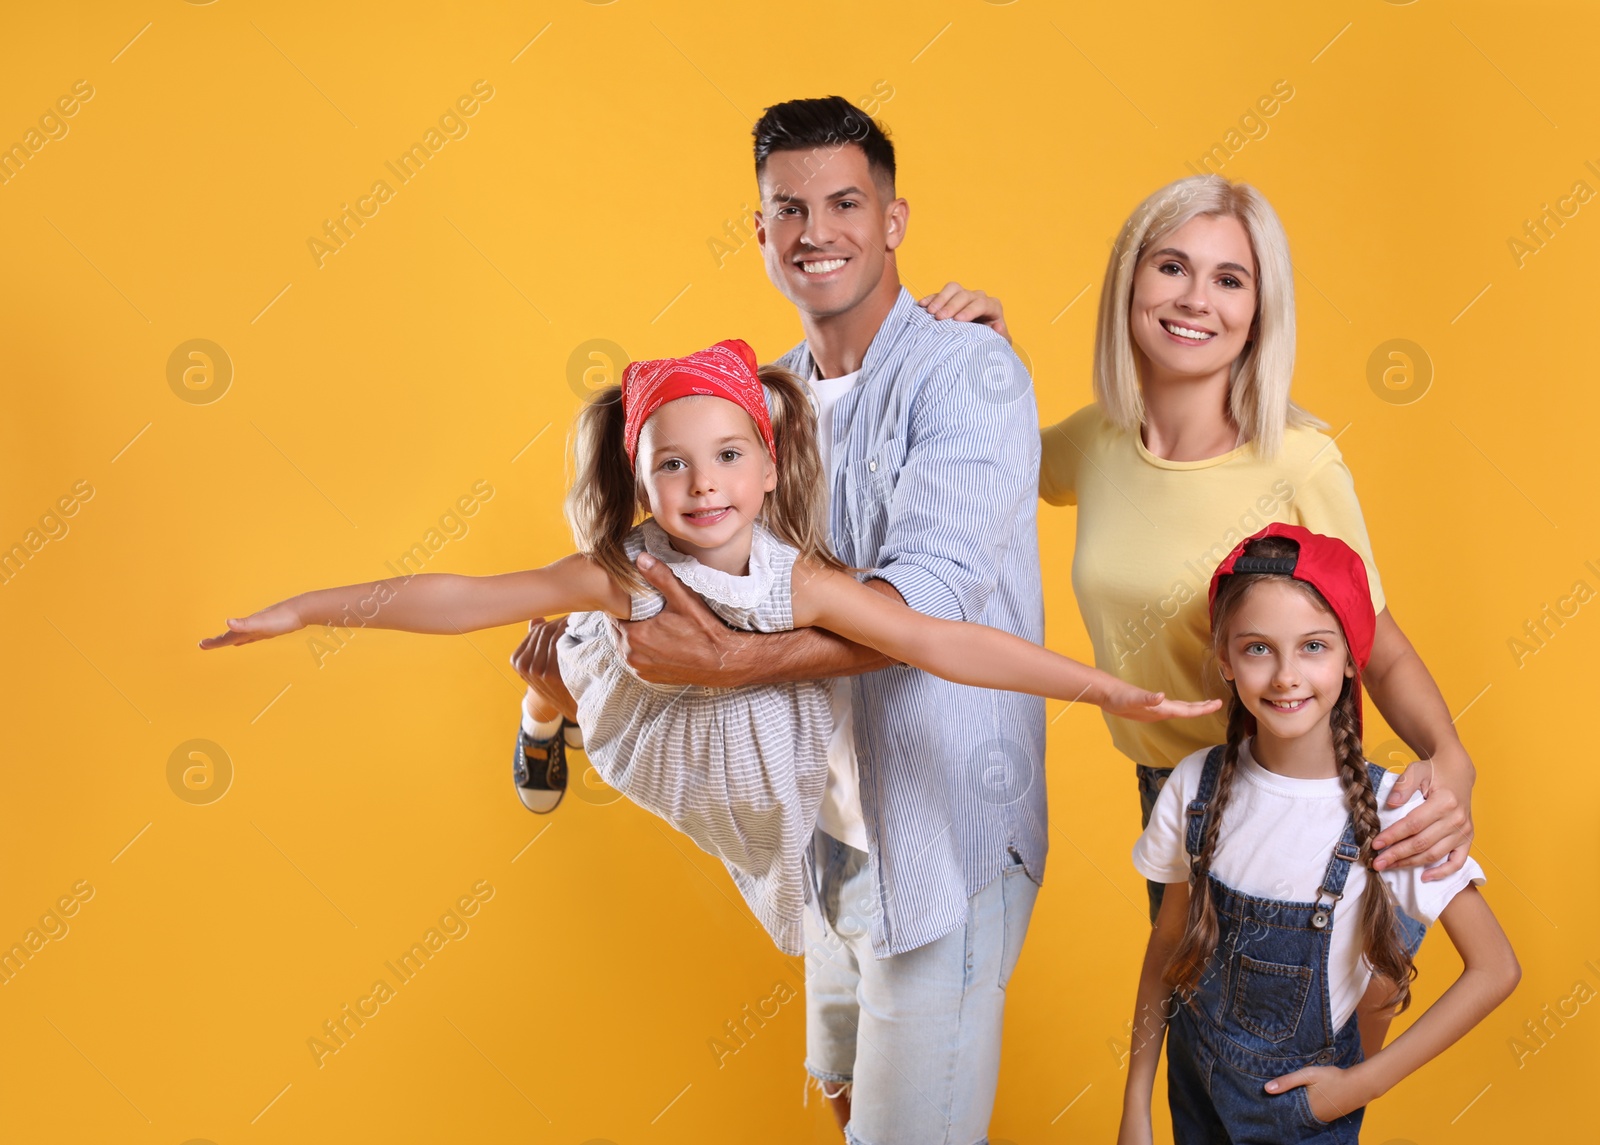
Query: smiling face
{"x": 826, "y": 226}
{"x": 1194, "y": 300}
{"x": 1288, "y": 659}
{"x": 706, "y": 473}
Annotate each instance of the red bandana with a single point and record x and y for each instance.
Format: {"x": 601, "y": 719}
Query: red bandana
{"x": 726, "y": 370}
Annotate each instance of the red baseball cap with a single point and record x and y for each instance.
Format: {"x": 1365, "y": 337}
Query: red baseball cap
{"x": 1328, "y": 565}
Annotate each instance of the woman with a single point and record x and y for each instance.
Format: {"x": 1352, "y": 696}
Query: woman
{"x": 1192, "y": 444}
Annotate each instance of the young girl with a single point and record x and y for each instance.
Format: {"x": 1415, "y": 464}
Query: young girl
{"x": 735, "y": 496}
{"x": 1271, "y": 924}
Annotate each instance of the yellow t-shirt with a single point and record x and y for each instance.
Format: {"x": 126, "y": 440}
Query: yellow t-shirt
{"x": 1150, "y": 534}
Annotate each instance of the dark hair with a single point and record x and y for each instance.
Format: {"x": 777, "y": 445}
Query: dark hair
{"x": 1380, "y": 933}
{"x": 801, "y": 124}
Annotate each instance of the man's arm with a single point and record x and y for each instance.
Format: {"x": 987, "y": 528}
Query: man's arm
{"x": 971, "y": 464}
{"x": 535, "y": 661}
{"x": 1410, "y": 701}
{"x": 686, "y": 643}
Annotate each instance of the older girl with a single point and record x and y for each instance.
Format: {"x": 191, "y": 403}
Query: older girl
{"x": 1274, "y": 918}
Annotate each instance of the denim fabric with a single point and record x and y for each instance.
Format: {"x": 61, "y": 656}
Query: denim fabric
{"x": 1261, "y": 1009}
{"x": 917, "y": 1034}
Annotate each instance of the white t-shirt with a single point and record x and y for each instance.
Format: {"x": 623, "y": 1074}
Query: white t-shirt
{"x": 841, "y": 814}
{"x": 1274, "y": 842}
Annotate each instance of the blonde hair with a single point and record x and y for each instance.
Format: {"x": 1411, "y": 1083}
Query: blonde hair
{"x": 607, "y": 499}
{"x": 1258, "y": 387}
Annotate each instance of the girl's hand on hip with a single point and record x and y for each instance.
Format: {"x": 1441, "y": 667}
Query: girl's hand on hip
{"x": 1146, "y": 707}
{"x": 274, "y": 620}
{"x": 1330, "y": 1091}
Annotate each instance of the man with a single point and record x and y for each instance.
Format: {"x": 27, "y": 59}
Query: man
{"x": 932, "y": 836}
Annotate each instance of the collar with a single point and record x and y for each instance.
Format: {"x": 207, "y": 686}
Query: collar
{"x": 725, "y": 588}
{"x": 901, "y": 314}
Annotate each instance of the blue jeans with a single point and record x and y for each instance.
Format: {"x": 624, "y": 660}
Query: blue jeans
{"x": 1261, "y": 1009}
{"x": 916, "y": 1036}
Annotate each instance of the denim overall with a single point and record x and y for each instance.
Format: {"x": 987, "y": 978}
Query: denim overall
{"x": 1261, "y": 1008}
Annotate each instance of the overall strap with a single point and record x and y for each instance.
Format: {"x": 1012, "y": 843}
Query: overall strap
{"x": 1347, "y": 852}
{"x": 1202, "y": 798}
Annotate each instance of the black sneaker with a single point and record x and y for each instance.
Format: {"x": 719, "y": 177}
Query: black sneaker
{"x": 540, "y": 771}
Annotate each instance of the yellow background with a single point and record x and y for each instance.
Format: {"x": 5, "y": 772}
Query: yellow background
{"x": 372, "y": 392}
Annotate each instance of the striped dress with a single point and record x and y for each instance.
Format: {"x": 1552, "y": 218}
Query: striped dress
{"x": 741, "y": 771}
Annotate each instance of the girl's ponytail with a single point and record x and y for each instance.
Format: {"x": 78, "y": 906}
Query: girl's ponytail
{"x": 797, "y": 510}
{"x": 603, "y": 504}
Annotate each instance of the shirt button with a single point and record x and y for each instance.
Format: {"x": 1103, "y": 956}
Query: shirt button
{"x": 872, "y": 466}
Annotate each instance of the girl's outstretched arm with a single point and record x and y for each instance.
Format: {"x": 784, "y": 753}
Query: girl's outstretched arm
{"x": 968, "y": 653}
{"x": 443, "y": 603}
{"x": 1488, "y": 975}
{"x": 1151, "y": 1009}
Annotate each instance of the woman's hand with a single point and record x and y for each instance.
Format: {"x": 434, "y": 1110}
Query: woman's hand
{"x": 274, "y": 620}
{"x": 1332, "y": 1092}
{"x": 1146, "y": 707}
{"x": 1441, "y": 827}
{"x": 956, "y": 301}
{"x": 1409, "y": 699}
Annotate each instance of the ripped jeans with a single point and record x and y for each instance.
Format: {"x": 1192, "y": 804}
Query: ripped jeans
{"x": 915, "y": 1037}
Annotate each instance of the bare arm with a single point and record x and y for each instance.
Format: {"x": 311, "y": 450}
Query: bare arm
{"x": 440, "y": 603}
{"x": 1410, "y": 701}
{"x": 968, "y": 653}
{"x": 1150, "y": 1013}
{"x": 687, "y": 644}
{"x": 1489, "y": 973}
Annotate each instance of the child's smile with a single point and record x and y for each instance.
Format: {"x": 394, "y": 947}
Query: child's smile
{"x": 707, "y": 474}
{"x": 1288, "y": 659}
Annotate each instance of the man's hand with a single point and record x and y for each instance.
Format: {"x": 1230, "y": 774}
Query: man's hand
{"x": 685, "y": 643}
{"x": 535, "y": 661}
{"x": 1441, "y": 826}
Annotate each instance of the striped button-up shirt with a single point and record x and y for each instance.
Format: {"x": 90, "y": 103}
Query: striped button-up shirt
{"x": 935, "y": 486}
